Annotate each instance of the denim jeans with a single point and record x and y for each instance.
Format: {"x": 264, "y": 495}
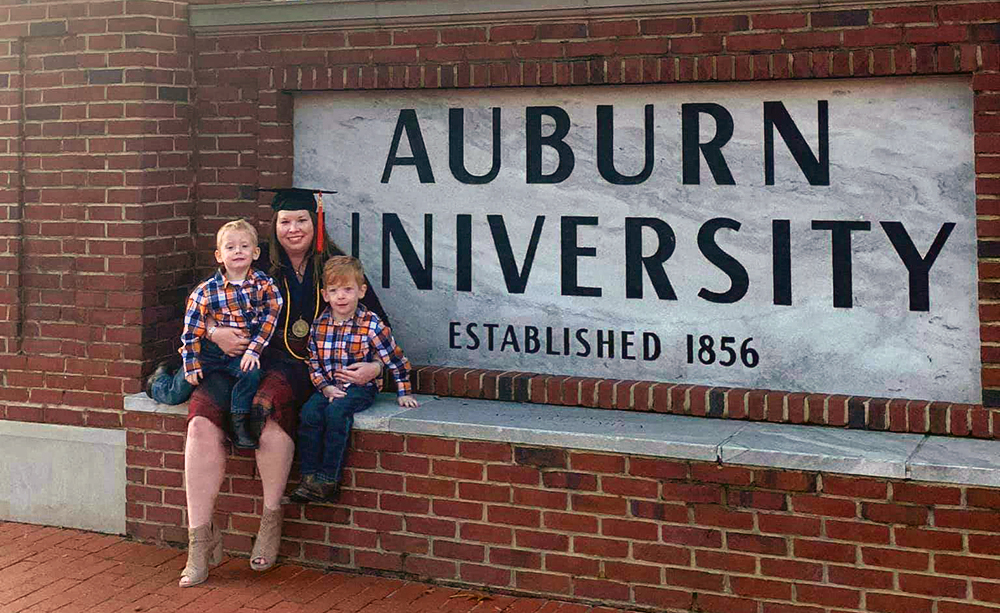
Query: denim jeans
{"x": 325, "y": 428}
{"x": 174, "y": 389}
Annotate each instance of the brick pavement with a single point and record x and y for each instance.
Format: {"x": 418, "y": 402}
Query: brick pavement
{"x": 45, "y": 569}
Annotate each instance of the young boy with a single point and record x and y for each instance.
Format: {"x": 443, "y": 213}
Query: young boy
{"x": 345, "y": 333}
{"x": 236, "y": 297}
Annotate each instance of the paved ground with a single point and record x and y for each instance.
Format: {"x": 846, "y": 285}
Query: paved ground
{"x": 46, "y": 569}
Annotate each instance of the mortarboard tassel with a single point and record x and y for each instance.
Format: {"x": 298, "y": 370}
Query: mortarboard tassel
{"x": 319, "y": 223}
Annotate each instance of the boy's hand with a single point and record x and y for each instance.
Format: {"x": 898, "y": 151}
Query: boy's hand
{"x": 193, "y": 378}
{"x": 249, "y": 362}
{"x": 332, "y": 392}
{"x": 408, "y": 401}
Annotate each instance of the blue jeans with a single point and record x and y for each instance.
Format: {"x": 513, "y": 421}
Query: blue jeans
{"x": 174, "y": 389}
{"x": 325, "y": 428}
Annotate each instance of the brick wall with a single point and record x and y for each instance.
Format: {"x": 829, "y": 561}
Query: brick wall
{"x": 243, "y": 82}
{"x": 630, "y": 531}
{"x": 125, "y": 141}
{"x": 96, "y": 241}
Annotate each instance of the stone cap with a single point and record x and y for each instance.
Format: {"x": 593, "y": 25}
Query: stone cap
{"x": 939, "y": 459}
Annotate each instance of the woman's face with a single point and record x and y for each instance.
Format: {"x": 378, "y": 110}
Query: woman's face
{"x": 295, "y": 231}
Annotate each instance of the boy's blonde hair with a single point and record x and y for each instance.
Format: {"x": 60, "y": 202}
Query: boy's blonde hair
{"x": 343, "y": 267}
{"x": 237, "y": 225}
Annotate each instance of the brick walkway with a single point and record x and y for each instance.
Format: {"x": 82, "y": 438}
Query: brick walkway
{"x": 46, "y": 569}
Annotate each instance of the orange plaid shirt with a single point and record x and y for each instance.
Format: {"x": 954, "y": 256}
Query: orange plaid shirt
{"x": 252, "y": 305}
{"x": 363, "y": 338}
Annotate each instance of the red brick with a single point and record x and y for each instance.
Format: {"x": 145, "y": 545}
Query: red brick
{"x": 570, "y": 522}
{"x": 572, "y": 565}
{"x": 767, "y": 545}
{"x": 788, "y": 524}
{"x": 860, "y": 577}
{"x": 490, "y": 452}
{"x": 459, "y": 551}
{"x": 714, "y": 473}
{"x": 857, "y": 531}
{"x": 657, "y": 469}
{"x": 515, "y": 557}
{"x": 542, "y": 582}
{"x": 825, "y": 550}
{"x": 852, "y": 487}
{"x": 824, "y": 505}
{"x": 725, "y": 560}
{"x": 485, "y": 575}
{"x": 593, "y": 462}
{"x": 761, "y": 588}
{"x": 891, "y": 558}
{"x": 932, "y": 585}
{"x": 692, "y": 579}
{"x": 828, "y": 596}
{"x": 791, "y": 569}
{"x": 891, "y": 603}
{"x": 894, "y": 513}
{"x": 607, "y": 548}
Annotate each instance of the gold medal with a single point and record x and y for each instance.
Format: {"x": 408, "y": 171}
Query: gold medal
{"x": 300, "y": 328}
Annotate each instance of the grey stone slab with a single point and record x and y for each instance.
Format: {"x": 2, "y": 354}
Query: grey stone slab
{"x": 378, "y": 417}
{"x": 575, "y": 428}
{"x": 812, "y": 448}
{"x": 63, "y": 476}
{"x": 143, "y": 403}
{"x": 852, "y": 452}
{"x": 950, "y": 460}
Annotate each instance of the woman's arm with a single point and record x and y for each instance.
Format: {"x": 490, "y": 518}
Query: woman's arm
{"x": 359, "y": 373}
{"x": 231, "y": 341}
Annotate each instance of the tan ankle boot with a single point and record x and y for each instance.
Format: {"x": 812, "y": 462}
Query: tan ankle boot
{"x": 265, "y": 548}
{"x": 204, "y": 552}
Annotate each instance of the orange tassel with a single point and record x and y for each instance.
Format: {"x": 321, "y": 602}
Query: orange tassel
{"x": 319, "y": 222}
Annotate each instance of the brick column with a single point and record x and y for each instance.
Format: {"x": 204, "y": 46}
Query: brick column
{"x": 106, "y": 235}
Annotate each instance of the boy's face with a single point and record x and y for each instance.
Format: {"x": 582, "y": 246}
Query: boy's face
{"x": 342, "y": 295}
{"x": 236, "y": 251}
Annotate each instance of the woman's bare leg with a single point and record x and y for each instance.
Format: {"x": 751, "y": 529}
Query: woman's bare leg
{"x": 274, "y": 460}
{"x": 204, "y": 469}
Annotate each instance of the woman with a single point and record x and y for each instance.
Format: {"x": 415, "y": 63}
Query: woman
{"x": 295, "y": 263}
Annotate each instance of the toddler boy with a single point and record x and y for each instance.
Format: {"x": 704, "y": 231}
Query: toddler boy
{"x": 345, "y": 333}
{"x": 237, "y": 296}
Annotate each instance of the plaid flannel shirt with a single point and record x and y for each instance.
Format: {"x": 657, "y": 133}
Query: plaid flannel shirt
{"x": 252, "y": 305}
{"x": 363, "y": 338}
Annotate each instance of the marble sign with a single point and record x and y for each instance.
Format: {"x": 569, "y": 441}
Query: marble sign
{"x": 810, "y": 236}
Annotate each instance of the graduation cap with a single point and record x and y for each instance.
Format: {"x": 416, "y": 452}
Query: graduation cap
{"x": 299, "y": 199}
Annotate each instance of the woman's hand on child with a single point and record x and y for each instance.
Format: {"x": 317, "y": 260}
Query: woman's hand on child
{"x": 231, "y": 341}
{"x": 193, "y": 378}
{"x": 358, "y": 373}
{"x": 331, "y": 392}
{"x": 408, "y": 401}
{"x": 249, "y": 362}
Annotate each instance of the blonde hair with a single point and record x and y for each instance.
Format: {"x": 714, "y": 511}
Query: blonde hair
{"x": 237, "y": 225}
{"x": 343, "y": 267}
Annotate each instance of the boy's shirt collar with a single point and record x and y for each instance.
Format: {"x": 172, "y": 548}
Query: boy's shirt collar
{"x": 223, "y": 280}
{"x": 359, "y": 312}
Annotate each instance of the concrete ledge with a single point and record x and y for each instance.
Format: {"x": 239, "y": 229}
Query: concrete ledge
{"x": 853, "y": 452}
{"x": 64, "y": 476}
